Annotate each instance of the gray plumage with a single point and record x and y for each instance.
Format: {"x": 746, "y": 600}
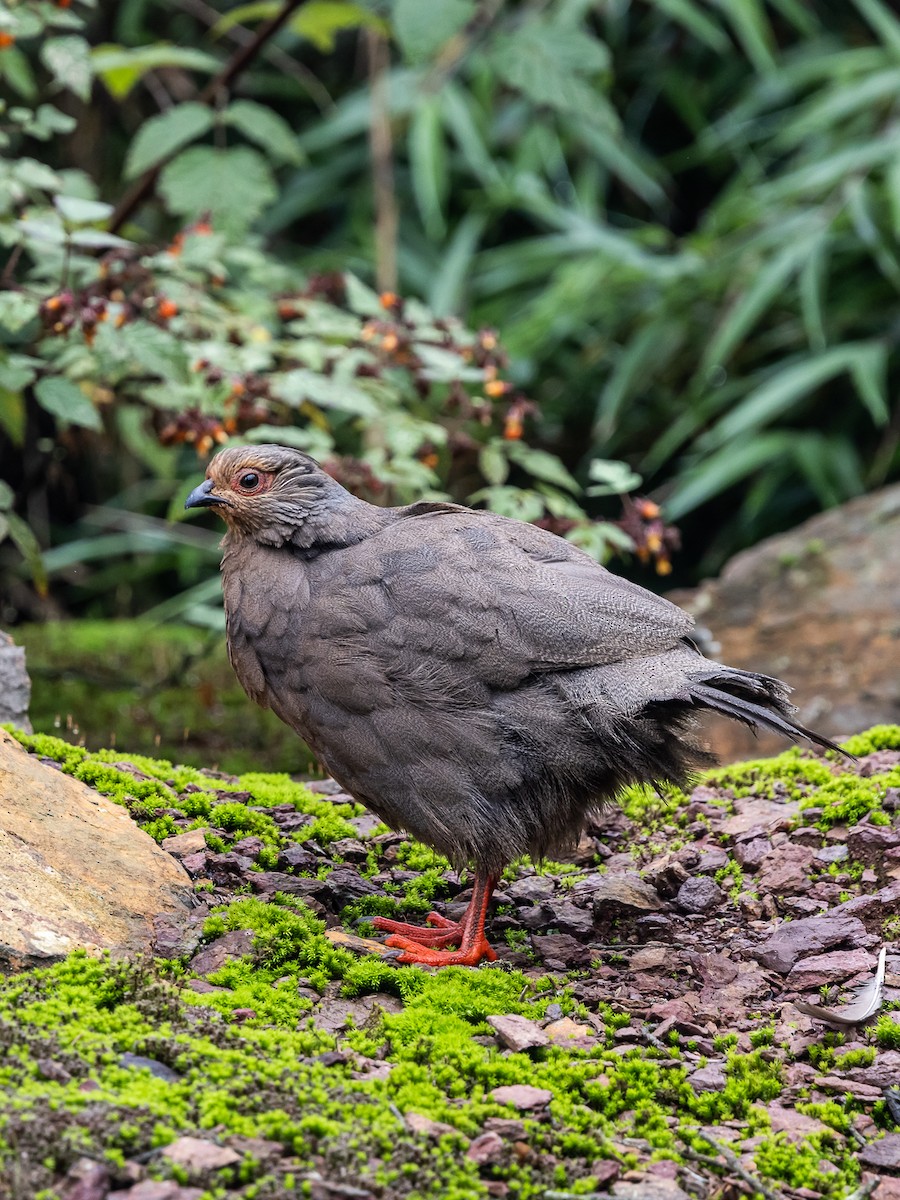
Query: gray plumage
{"x": 474, "y": 680}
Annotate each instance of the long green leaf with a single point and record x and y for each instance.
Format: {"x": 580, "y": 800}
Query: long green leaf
{"x": 720, "y": 471}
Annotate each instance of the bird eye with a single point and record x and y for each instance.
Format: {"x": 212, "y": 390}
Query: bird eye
{"x": 249, "y": 481}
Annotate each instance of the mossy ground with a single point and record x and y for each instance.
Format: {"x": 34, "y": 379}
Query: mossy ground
{"x": 256, "y": 1058}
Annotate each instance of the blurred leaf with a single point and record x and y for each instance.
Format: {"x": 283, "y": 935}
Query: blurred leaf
{"x": 493, "y": 462}
{"x": 265, "y": 127}
{"x": 161, "y": 136}
{"x": 447, "y": 286}
{"x": 609, "y": 478}
{"x": 68, "y": 59}
{"x": 427, "y": 161}
{"x": 422, "y": 29}
{"x": 64, "y": 400}
{"x": 320, "y": 21}
{"x": 260, "y": 10}
{"x": 508, "y": 501}
{"x": 12, "y": 415}
{"x": 234, "y": 186}
{"x": 693, "y": 18}
{"x": 295, "y": 387}
{"x": 550, "y": 64}
{"x": 721, "y": 470}
{"x": 883, "y": 21}
{"x": 542, "y": 465}
{"x": 27, "y": 545}
{"x": 81, "y": 212}
{"x": 121, "y": 67}
{"x": 16, "y": 310}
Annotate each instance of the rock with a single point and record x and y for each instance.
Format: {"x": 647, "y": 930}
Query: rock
{"x": 850, "y": 1087}
{"x": 786, "y": 870}
{"x": 418, "y": 1123}
{"x": 157, "y": 1189}
{"x": 333, "y": 1015}
{"x": 871, "y": 909}
{"x": 870, "y": 843}
{"x": 566, "y": 1032}
{"x": 716, "y": 970}
{"x": 138, "y": 1063}
{"x": 792, "y": 939}
{"x": 651, "y": 1187}
{"x": 197, "y": 1155}
{"x": 817, "y": 606}
{"x": 751, "y": 855}
{"x": 795, "y": 1124}
{"x": 521, "y": 1096}
{"x": 699, "y": 894}
{"x": 567, "y": 918}
{"x": 15, "y": 686}
{"x": 560, "y": 951}
{"x": 77, "y": 871}
{"x": 766, "y": 816}
{"x": 829, "y": 968}
{"x": 183, "y": 844}
{"x": 269, "y": 882}
{"x": 236, "y": 944}
{"x": 485, "y": 1149}
{"x": 346, "y": 885}
{"x": 627, "y": 891}
{"x": 518, "y": 1033}
{"x": 711, "y": 1078}
{"x": 883, "y": 1154}
{"x": 532, "y": 889}
{"x": 86, "y": 1179}
{"x": 653, "y": 957}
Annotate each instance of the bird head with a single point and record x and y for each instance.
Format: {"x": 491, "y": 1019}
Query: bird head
{"x": 268, "y": 493}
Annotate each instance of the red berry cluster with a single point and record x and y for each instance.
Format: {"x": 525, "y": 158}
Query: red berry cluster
{"x": 654, "y": 541}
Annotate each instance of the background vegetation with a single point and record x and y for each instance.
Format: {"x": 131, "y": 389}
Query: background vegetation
{"x": 537, "y": 255}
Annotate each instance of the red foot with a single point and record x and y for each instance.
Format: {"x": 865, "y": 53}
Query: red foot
{"x": 467, "y": 956}
{"x": 447, "y": 933}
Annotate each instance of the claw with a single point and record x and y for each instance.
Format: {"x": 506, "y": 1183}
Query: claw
{"x": 415, "y": 954}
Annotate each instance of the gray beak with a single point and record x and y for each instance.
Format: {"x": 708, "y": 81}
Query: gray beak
{"x": 202, "y": 497}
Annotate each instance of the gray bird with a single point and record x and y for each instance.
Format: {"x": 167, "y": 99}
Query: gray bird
{"x": 472, "y": 679}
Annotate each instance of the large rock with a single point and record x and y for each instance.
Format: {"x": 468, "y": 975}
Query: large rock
{"x": 15, "y": 686}
{"x": 75, "y": 870}
{"x": 818, "y": 608}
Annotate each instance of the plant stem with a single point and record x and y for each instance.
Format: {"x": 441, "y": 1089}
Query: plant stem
{"x": 241, "y": 59}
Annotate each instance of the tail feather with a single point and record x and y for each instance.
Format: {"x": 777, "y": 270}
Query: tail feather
{"x": 754, "y": 700}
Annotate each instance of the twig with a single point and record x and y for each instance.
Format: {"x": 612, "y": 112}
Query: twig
{"x": 382, "y": 149}
{"x": 241, "y": 58}
{"x": 734, "y": 1164}
{"x": 318, "y": 93}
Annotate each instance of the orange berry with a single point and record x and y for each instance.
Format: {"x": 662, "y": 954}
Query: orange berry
{"x": 167, "y": 309}
{"x": 663, "y": 567}
{"x": 388, "y": 299}
{"x": 390, "y": 342}
{"x": 495, "y": 388}
{"x": 430, "y": 460}
{"x": 6, "y": 40}
{"x": 513, "y": 428}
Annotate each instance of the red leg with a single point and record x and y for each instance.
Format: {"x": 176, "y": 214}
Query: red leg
{"x": 469, "y": 935}
{"x": 446, "y": 933}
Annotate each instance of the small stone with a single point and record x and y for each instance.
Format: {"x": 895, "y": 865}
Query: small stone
{"x": 518, "y": 1033}
{"x": 567, "y": 918}
{"x": 822, "y": 969}
{"x": 268, "y": 882}
{"x": 751, "y": 855}
{"x": 199, "y": 1155}
{"x": 86, "y": 1179}
{"x": 787, "y": 871}
{"x": 711, "y": 860}
{"x": 798, "y": 1126}
{"x": 182, "y": 844}
{"x": 699, "y": 894}
{"x": 560, "y": 948}
{"x": 346, "y": 885}
{"x": 238, "y": 943}
{"x": 832, "y": 854}
{"x": 521, "y": 1096}
{"x": 627, "y": 891}
{"x": 652, "y": 957}
{"x": 884, "y": 1153}
{"x": 565, "y": 1031}
{"x": 767, "y": 814}
{"x": 870, "y": 843}
{"x": 710, "y": 1078}
{"x": 860, "y": 1091}
{"x": 157, "y": 1069}
{"x": 418, "y": 1123}
{"x": 793, "y": 939}
{"x": 485, "y": 1149}
{"x": 532, "y": 889}
{"x": 650, "y": 1187}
